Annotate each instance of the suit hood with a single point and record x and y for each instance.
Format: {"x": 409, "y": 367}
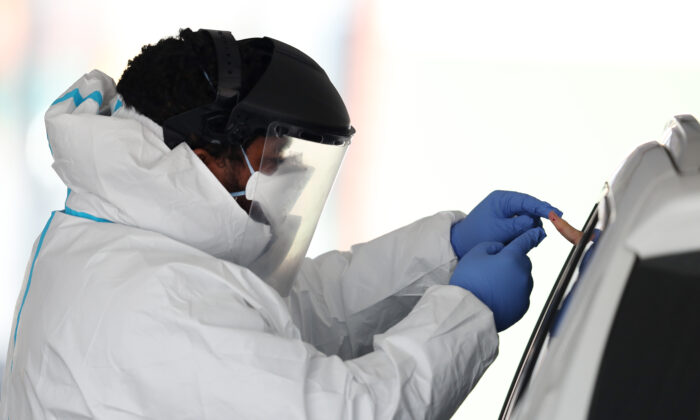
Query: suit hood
{"x": 117, "y": 168}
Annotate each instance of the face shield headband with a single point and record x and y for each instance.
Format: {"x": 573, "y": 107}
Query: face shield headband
{"x": 291, "y": 88}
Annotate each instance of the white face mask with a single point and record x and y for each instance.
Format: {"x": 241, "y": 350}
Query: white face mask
{"x": 277, "y": 193}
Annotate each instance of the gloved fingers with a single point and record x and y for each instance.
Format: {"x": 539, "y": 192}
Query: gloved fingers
{"x": 516, "y": 313}
{"x": 525, "y": 242}
{"x": 538, "y": 222}
{"x": 515, "y": 226}
{"x": 513, "y": 203}
{"x": 486, "y": 248}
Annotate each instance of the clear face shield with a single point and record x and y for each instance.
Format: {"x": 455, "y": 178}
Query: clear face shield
{"x": 288, "y": 193}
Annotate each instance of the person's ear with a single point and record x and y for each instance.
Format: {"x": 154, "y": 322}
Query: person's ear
{"x": 203, "y": 155}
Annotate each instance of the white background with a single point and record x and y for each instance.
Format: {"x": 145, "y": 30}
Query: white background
{"x": 450, "y": 100}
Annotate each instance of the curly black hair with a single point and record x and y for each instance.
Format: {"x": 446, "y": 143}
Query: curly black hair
{"x": 180, "y": 73}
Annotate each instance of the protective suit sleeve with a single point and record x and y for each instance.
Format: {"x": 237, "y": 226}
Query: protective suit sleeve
{"x": 421, "y": 368}
{"x": 340, "y": 300}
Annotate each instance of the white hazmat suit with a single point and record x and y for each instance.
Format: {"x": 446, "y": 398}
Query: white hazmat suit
{"x": 128, "y": 311}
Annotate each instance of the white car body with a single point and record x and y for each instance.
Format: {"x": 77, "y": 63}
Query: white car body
{"x": 619, "y": 352}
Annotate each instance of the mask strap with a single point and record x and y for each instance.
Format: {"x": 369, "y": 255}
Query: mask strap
{"x": 245, "y": 156}
{"x": 250, "y": 168}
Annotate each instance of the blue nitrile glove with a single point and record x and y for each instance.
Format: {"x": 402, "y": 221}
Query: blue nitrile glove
{"x": 500, "y": 276}
{"x": 500, "y": 217}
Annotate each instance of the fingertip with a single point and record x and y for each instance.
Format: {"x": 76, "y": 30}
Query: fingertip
{"x": 525, "y": 222}
{"x": 537, "y": 235}
{"x": 528, "y": 240}
{"x": 494, "y": 248}
{"x": 544, "y": 210}
{"x": 540, "y": 211}
{"x": 490, "y": 248}
{"x": 541, "y": 234}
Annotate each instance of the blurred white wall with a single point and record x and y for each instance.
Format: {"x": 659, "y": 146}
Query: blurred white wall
{"x": 450, "y": 100}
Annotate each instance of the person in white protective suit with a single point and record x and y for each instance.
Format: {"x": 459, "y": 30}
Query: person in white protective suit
{"x": 174, "y": 285}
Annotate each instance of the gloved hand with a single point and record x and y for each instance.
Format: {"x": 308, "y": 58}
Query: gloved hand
{"x": 500, "y": 276}
{"x": 500, "y": 217}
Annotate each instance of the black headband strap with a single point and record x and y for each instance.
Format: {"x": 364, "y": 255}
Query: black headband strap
{"x": 229, "y": 62}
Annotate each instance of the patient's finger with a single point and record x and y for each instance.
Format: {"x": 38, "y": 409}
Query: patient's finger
{"x": 569, "y": 232}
